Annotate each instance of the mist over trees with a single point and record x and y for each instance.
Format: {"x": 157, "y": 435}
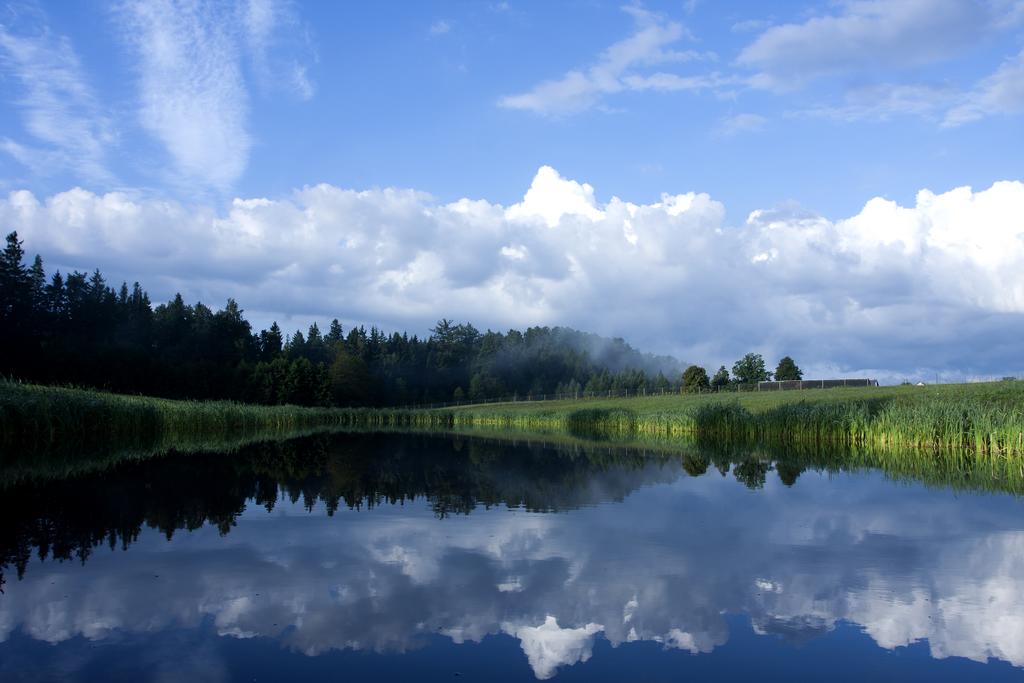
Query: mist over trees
{"x": 76, "y": 329}
{"x": 721, "y": 378}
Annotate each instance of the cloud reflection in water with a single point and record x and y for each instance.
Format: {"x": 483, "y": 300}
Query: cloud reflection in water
{"x": 666, "y": 564}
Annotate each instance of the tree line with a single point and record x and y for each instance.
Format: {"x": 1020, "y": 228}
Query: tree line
{"x": 76, "y": 329}
{"x": 746, "y": 372}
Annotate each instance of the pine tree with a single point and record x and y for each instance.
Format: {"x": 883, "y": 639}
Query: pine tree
{"x": 271, "y": 343}
{"x": 334, "y": 334}
{"x": 56, "y": 296}
{"x": 14, "y": 280}
{"x": 37, "y": 285}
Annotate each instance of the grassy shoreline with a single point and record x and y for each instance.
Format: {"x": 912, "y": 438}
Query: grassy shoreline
{"x": 986, "y": 419}
{"x": 983, "y": 418}
{"x": 33, "y": 416}
{"x": 963, "y": 470}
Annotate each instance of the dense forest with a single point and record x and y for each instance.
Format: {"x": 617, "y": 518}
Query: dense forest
{"x": 76, "y": 329}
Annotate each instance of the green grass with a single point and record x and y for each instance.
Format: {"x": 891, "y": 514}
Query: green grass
{"x": 969, "y": 436}
{"x": 37, "y": 417}
{"x": 984, "y": 418}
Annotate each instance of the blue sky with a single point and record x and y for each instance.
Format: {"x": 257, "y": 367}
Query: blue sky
{"x": 247, "y": 149}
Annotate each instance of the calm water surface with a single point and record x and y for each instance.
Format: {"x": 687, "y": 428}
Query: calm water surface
{"x": 417, "y": 558}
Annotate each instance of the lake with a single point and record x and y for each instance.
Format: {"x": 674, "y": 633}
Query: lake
{"x": 414, "y": 557}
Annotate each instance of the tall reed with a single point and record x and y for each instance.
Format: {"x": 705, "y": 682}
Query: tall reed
{"x": 980, "y": 418}
{"x": 986, "y": 419}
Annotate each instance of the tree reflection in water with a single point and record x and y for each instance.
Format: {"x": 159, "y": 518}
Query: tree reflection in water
{"x": 597, "y": 542}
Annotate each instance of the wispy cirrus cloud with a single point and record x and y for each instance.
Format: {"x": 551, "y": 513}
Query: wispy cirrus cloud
{"x": 886, "y": 101}
{"x": 279, "y": 46}
{"x": 440, "y": 27}
{"x": 750, "y": 25}
{"x": 59, "y": 108}
{"x": 741, "y": 123}
{"x": 194, "y": 97}
{"x": 878, "y": 49}
{"x": 1000, "y": 93}
{"x": 618, "y": 69}
{"x": 870, "y": 34}
{"x": 192, "y": 94}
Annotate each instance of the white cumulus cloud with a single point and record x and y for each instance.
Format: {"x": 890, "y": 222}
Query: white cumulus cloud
{"x": 894, "y": 290}
{"x": 548, "y": 646}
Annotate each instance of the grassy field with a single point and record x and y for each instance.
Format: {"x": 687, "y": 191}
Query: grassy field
{"x": 985, "y": 418}
{"x": 978, "y": 418}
